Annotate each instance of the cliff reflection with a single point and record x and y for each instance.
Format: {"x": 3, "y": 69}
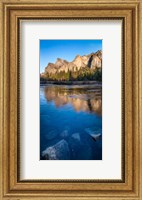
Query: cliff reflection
{"x": 82, "y": 98}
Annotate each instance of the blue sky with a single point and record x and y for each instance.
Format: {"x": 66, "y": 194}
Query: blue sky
{"x": 50, "y": 50}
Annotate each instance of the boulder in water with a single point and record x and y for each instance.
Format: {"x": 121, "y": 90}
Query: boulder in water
{"x": 51, "y": 135}
{"x": 64, "y": 134}
{"x": 80, "y": 147}
{"x": 59, "y": 151}
{"x": 75, "y": 145}
{"x": 95, "y": 136}
{"x": 76, "y": 137}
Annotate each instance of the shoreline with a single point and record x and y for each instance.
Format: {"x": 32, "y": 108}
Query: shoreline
{"x": 71, "y": 82}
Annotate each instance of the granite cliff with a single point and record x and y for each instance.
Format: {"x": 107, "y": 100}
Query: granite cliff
{"x": 82, "y": 67}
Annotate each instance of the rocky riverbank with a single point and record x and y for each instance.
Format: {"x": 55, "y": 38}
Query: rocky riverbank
{"x": 71, "y": 82}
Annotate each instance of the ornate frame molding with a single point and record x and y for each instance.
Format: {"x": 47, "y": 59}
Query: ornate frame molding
{"x": 12, "y": 13}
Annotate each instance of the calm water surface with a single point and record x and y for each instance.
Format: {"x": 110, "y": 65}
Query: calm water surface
{"x": 71, "y": 122}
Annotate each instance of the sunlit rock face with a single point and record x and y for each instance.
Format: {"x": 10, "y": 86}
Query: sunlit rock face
{"x": 51, "y": 68}
{"x": 78, "y": 62}
{"x": 92, "y": 61}
{"x": 60, "y": 62}
{"x": 95, "y": 63}
{"x": 81, "y": 99}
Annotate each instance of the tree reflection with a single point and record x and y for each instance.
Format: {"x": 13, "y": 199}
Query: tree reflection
{"x": 85, "y": 98}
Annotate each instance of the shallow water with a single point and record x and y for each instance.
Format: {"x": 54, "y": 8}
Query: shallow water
{"x": 69, "y": 117}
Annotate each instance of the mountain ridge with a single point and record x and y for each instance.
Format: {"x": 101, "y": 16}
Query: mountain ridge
{"x": 81, "y": 66}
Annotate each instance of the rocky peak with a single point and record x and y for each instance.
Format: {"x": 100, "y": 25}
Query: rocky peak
{"x": 59, "y": 62}
{"x": 93, "y": 61}
{"x": 99, "y": 54}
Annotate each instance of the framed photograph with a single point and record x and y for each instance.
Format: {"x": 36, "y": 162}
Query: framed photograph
{"x": 70, "y": 100}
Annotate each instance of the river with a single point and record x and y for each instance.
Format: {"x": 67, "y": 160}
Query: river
{"x": 71, "y": 122}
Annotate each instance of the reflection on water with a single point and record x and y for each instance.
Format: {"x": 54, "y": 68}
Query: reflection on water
{"x": 71, "y": 122}
{"x": 82, "y": 98}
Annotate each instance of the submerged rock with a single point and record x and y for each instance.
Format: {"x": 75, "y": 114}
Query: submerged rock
{"x": 75, "y": 145}
{"x": 76, "y": 137}
{"x": 95, "y": 136}
{"x": 51, "y": 135}
{"x": 80, "y": 147}
{"x": 64, "y": 134}
{"x": 59, "y": 151}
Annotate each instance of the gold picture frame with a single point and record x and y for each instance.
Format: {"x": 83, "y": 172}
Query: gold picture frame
{"x": 12, "y": 12}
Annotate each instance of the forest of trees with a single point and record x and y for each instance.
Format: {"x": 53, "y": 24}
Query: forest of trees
{"x": 81, "y": 75}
